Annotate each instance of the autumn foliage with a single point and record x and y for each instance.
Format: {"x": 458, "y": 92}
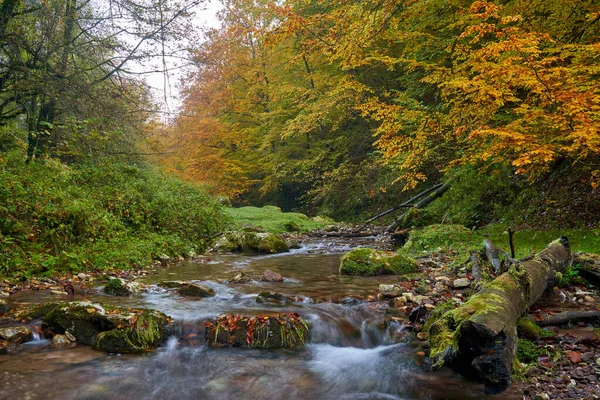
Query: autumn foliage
{"x": 316, "y": 99}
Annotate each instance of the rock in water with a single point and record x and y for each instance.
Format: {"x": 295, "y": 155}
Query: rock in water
{"x": 272, "y": 297}
{"x": 195, "y": 290}
{"x": 240, "y": 278}
{"x": 370, "y": 262}
{"x": 285, "y": 330}
{"x": 16, "y": 334}
{"x": 271, "y": 276}
{"x": 146, "y": 331}
{"x": 83, "y": 320}
{"x": 59, "y": 341}
{"x": 116, "y": 287}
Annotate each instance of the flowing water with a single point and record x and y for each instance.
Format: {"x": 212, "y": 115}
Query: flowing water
{"x": 353, "y": 352}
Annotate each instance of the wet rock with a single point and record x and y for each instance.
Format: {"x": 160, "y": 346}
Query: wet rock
{"x": 461, "y": 283}
{"x": 146, "y": 331}
{"x": 272, "y": 297}
{"x": 240, "y": 278}
{"x": 3, "y": 305}
{"x": 59, "y": 341}
{"x": 195, "y": 290}
{"x": 171, "y": 284}
{"x": 370, "y": 262}
{"x": 82, "y": 276}
{"x": 259, "y": 242}
{"x": 285, "y": 330}
{"x": 399, "y": 302}
{"x": 16, "y": 334}
{"x": 589, "y": 299}
{"x": 118, "y": 287}
{"x": 83, "y": 320}
{"x": 418, "y": 314}
{"x": 271, "y": 276}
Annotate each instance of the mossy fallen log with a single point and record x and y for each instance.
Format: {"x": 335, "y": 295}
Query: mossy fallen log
{"x": 285, "y": 330}
{"x": 478, "y": 339}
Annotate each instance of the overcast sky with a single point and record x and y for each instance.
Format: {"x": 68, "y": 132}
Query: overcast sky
{"x": 165, "y": 89}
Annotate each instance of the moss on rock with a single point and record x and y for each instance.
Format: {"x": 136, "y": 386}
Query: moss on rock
{"x": 257, "y": 242}
{"x": 116, "y": 287}
{"x": 145, "y": 332}
{"x": 83, "y": 320}
{"x": 369, "y": 262}
{"x": 195, "y": 290}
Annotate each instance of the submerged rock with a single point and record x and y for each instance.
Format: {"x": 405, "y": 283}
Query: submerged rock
{"x": 285, "y": 330}
{"x": 240, "y": 278}
{"x": 369, "y": 262}
{"x": 271, "y": 276}
{"x": 257, "y": 242}
{"x": 146, "y": 331}
{"x": 16, "y": 334}
{"x": 60, "y": 341}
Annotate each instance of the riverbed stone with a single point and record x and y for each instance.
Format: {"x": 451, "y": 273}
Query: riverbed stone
{"x": 84, "y": 320}
{"x": 240, "y": 278}
{"x": 285, "y": 330}
{"x": 121, "y": 287}
{"x": 195, "y": 290}
{"x": 61, "y": 341}
{"x": 272, "y": 297}
{"x": 16, "y": 334}
{"x": 371, "y": 262}
{"x": 461, "y": 283}
{"x": 254, "y": 242}
{"x": 272, "y": 276}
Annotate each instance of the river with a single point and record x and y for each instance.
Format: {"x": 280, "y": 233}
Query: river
{"x": 355, "y": 351}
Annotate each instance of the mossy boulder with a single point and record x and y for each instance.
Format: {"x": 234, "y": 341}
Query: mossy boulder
{"x": 146, "y": 331}
{"x": 370, "y": 262}
{"x": 116, "y": 330}
{"x": 272, "y": 297}
{"x": 195, "y": 290}
{"x": 84, "y": 320}
{"x": 285, "y": 330}
{"x": 253, "y": 242}
{"x": 116, "y": 287}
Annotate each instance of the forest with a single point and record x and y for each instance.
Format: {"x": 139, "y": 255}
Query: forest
{"x": 372, "y": 190}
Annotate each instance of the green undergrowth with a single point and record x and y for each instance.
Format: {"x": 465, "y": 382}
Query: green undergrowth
{"x": 271, "y": 219}
{"x": 57, "y": 217}
{"x": 458, "y": 240}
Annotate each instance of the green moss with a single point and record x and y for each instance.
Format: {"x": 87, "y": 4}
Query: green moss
{"x": 527, "y": 351}
{"x": 259, "y": 242}
{"x": 146, "y": 333}
{"x": 370, "y": 262}
{"x": 528, "y": 329}
{"x": 438, "y": 312}
{"x": 116, "y": 288}
{"x": 81, "y": 320}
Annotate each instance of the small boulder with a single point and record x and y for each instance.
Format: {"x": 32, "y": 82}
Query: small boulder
{"x": 60, "y": 341}
{"x": 84, "y": 320}
{"x": 16, "y": 334}
{"x": 146, "y": 331}
{"x": 116, "y": 287}
{"x": 195, "y": 290}
{"x": 272, "y": 297}
{"x": 461, "y": 283}
{"x": 240, "y": 278}
{"x": 370, "y": 262}
{"x": 271, "y": 276}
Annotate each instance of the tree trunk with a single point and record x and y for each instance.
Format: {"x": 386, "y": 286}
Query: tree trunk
{"x": 478, "y": 339}
{"x": 421, "y": 204}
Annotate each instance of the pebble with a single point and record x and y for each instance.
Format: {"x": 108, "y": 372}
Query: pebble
{"x": 461, "y": 283}
{"x": 589, "y": 299}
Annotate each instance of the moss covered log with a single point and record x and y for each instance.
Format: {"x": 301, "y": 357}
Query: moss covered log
{"x": 285, "y": 330}
{"x": 479, "y": 338}
{"x": 370, "y": 262}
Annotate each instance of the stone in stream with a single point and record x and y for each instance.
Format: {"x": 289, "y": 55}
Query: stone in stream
{"x": 16, "y": 334}
{"x": 188, "y": 289}
{"x": 255, "y": 242}
{"x": 240, "y": 278}
{"x": 370, "y": 262}
{"x": 272, "y": 297}
{"x": 61, "y": 341}
{"x": 115, "y": 330}
{"x": 271, "y": 276}
{"x": 285, "y": 330}
{"x": 120, "y": 287}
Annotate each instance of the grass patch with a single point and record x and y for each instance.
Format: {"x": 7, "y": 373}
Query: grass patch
{"x": 271, "y": 219}
{"x": 58, "y": 217}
